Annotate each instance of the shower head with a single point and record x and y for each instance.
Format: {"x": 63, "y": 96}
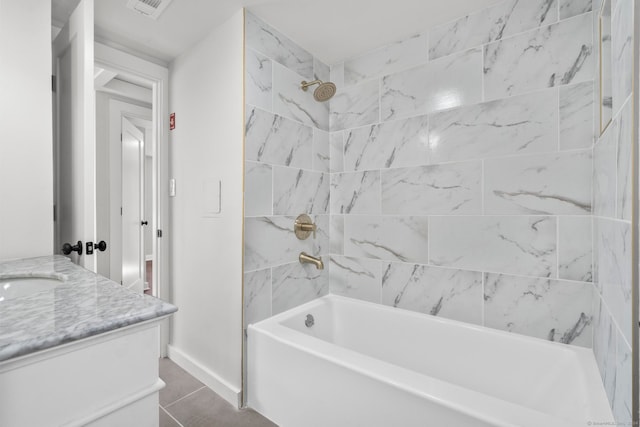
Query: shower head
{"x": 323, "y": 92}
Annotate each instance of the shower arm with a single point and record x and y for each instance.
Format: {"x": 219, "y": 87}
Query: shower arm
{"x": 305, "y": 85}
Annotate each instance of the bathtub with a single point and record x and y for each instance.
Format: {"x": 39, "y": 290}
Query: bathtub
{"x": 363, "y": 364}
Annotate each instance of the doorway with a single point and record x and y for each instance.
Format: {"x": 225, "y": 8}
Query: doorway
{"x": 124, "y": 180}
{"x": 132, "y": 89}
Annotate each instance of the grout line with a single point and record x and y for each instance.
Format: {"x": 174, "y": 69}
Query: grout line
{"x": 558, "y": 247}
{"x": 483, "y": 212}
{"x": 185, "y": 396}
{"x": 271, "y": 291}
{"x": 423, "y": 165}
{"x": 558, "y": 117}
{"x": 612, "y": 318}
{"x": 480, "y": 270}
{"x": 483, "y": 95}
{"x": 483, "y": 314}
{"x": 443, "y": 215}
{"x": 171, "y": 416}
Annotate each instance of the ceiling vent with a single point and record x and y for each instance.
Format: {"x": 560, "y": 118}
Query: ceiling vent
{"x": 149, "y": 8}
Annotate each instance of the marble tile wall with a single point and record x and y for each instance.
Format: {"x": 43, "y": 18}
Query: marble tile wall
{"x": 461, "y": 164}
{"x": 612, "y": 220}
{"x": 458, "y": 172}
{"x": 287, "y": 164}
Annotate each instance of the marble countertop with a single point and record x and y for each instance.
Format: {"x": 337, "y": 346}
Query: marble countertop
{"x": 85, "y": 304}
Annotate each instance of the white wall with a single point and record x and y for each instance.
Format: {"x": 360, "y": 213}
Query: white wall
{"x": 26, "y": 177}
{"x": 206, "y": 93}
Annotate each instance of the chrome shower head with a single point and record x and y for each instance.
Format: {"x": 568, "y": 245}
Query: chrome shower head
{"x": 323, "y": 92}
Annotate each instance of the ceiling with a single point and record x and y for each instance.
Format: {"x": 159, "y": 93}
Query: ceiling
{"x": 331, "y": 30}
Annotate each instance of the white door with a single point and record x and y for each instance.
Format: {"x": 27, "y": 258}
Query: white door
{"x": 74, "y": 135}
{"x": 133, "y": 270}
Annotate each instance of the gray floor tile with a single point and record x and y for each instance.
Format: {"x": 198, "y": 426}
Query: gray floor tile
{"x": 206, "y": 409}
{"x": 166, "y": 420}
{"x": 179, "y": 382}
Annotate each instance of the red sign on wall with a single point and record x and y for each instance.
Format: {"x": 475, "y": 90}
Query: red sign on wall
{"x": 172, "y": 121}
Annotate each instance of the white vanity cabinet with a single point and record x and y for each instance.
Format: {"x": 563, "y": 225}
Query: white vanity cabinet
{"x": 83, "y": 352}
{"x": 110, "y": 379}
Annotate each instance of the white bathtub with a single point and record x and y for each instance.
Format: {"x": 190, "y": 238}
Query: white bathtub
{"x": 363, "y": 364}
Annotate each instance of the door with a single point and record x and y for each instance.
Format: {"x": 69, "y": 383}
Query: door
{"x": 132, "y": 212}
{"x": 74, "y": 134}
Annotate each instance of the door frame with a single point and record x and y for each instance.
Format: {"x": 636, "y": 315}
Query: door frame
{"x": 137, "y": 115}
{"x": 78, "y": 28}
{"x": 134, "y": 68}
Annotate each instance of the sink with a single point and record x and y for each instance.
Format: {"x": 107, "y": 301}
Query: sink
{"x": 15, "y": 287}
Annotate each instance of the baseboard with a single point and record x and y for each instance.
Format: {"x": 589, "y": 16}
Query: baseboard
{"x": 230, "y": 393}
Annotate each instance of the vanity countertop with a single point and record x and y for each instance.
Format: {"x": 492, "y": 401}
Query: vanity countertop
{"x": 85, "y": 304}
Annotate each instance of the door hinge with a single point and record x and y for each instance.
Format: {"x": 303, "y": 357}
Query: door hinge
{"x": 120, "y": 137}
{"x": 55, "y": 216}
{"x": 120, "y": 210}
{"x": 159, "y": 233}
{"x": 53, "y": 83}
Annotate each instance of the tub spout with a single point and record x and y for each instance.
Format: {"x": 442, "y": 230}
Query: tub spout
{"x": 305, "y": 258}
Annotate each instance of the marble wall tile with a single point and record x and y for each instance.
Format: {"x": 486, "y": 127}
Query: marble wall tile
{"x": 356, "y": 278}
{"x": 622, "y": 403}
{"x": 556, "y": 55}
{"x": 575, "y": 254}
{"x": 289, "y": 100}
{"x": 556, "y": 183}
{"x": 449, "y": 189}
{"x": 622, "y": 52}
{"x": 576, "y": 116}
{"x": 356, "y": 193}
{"x": 321, "y": 71}
{"x": 259, "y": 80}
{"x": 265, "y": 39}
{"x": 543, "y": 308}
{"x": 569, "y": 8}
{"x": 321, "y": 151}
{"x": 624, "y": 155}
{"x": 517, "y": 125}
{"x": 453, "y": 294}
{"x": 604, "y": 347}
{"x": 298, "y": 191}
{"x": 619, "y": 303}
{"x": 511, "y": 244}
{"x": 336, "y": 233}
{"x": 612, "y": 252}
{"x": 355, "y": 106}
{"x": 270, "y": 241}
{"x": 604, "y": 173}
{"x": 273, "y": 139}
{"x": 336, "y": 151}
{"x": 438, "y": 85}
{"x": 388, "y": 59}
{"x": 398, "y": 143}
{"x": 295, "y": 284}
{"x": 257, "y": 296}
{"x": 612, "y": 262}
{"x": 258, "y": 189}
{"x": 337, "y": 74}
{"x": 491, "y": 24}
{"x": 392, "y": 238}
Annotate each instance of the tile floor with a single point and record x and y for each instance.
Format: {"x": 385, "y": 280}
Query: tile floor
{"x": 186, "y": 402}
